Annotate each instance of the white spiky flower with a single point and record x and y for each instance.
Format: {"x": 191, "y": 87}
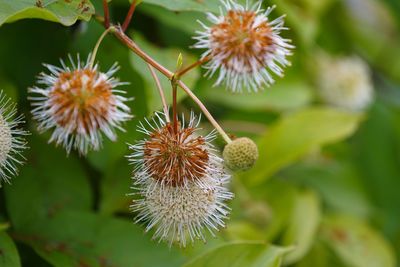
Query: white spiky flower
{"x": 345, "y": 82}
{"x": 79, "y": 103}
{"x": 12, "y": 140}
{"x": 179, "y": 181}
{"x": 244, "y": 46}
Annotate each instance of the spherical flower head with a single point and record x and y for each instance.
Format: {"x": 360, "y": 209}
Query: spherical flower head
{"x": 345, "y": 82}
{"x": 12, "y": 141}
{"x": 79, "y": 103}
{"x": 179, "y": 181}
{"x": 241, "y": 154}
{"x": 244, "y": 46}
{"x": 175, "y": 158}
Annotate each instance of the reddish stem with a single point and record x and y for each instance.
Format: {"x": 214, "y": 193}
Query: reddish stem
{"x": 128, "y": 17}
{"x": 135, "y": 48}
{"x": 106, "y": 14}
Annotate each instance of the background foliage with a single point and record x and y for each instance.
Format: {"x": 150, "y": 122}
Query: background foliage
{"x": 324, "y": 192}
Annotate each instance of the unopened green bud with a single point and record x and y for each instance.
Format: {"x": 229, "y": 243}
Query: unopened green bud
{"x": 241, "y": 154}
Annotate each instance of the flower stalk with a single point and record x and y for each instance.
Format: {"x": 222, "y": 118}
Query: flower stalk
{"x": 160, "y": 91}
{"x": 96, "y": 47}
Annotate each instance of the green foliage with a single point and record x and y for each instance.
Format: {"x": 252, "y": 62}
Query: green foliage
{"x": 100, "y": 241}
{"x": 296, "y": 134}
{"x": 323, "y": 193}
{"x": 303, "y": 225}
{"x": 186, "y": 5}
{"x": 64, "y": 12}
{"x": 8, "y": 252}
{"x": 291, "y": 93}
{"x": 356, "y": 243}
{"x": 249, "y": 254}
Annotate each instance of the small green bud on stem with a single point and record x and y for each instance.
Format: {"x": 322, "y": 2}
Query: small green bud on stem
{"x": 241, "y": 154}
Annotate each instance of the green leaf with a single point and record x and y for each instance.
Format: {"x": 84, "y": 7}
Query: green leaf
{"x": 356, "y": 243}
{"x": 186, "y": 5}
{"x": 287, "y": 94}
{"x": 297, "y": 134}
{"x": 249, "y": 254}
{"x": 281, "y": 197}
{"x": 303, "y": 225}
{"x": 4, "y": 226}
{"x": 84, "y": 239}
{"x": 338, "y": 184}
{"x": 49, "y": 183}
{"x": 243, "y": 230}
{"x": 180, "y": 20}
{"x": 64, "y": 12}
{"x": 376, "y": 155}
{"x": 8, "y": 252}
{"x": 167, "y": 57}
{"x": 321, "y": 255}
{"x": 115, "y": 187}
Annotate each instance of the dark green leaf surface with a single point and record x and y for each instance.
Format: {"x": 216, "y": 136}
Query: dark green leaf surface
{"x": 97, "y": 241}
{"x": 356, "y": 243}
{"x": 8, "y": 252}
{"x": 240, "y": 254}
{"x": 303, "y": 225}
{"x": 298, "y": 133}
{"x": 64, "y": 12}
{"x": 55, "y": 182}
{"x": 186, "y": 5}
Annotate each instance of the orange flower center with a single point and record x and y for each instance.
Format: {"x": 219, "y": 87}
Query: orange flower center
{"x": 238, "y": 36}
{"x": 175, "y": 157}
{"x": 82, "y": 99}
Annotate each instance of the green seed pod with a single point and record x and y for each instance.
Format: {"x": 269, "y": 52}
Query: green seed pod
{"x": 241, "y": 154}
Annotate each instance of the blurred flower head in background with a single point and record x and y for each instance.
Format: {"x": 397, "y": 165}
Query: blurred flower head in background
{"x": 80, "y": 104}
{"x": 345, "y": 82}
{"x": 11, "y": 139}
{"x": 179, "y": 180}
{"x": 244, "y": 46}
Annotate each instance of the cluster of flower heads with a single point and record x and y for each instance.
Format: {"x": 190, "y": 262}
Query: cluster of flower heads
{"x": 12, "y": 141}
{"x": 180, "y": 182}
{"x": 244, "y": 46}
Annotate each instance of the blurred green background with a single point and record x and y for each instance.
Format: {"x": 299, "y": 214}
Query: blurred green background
{"x": 324, "y": 193}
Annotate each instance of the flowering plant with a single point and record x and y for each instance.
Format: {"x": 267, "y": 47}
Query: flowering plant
{"x": 194, "y": 133}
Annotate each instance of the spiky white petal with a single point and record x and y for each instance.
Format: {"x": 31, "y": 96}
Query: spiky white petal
{"x": 12, "y": 141}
